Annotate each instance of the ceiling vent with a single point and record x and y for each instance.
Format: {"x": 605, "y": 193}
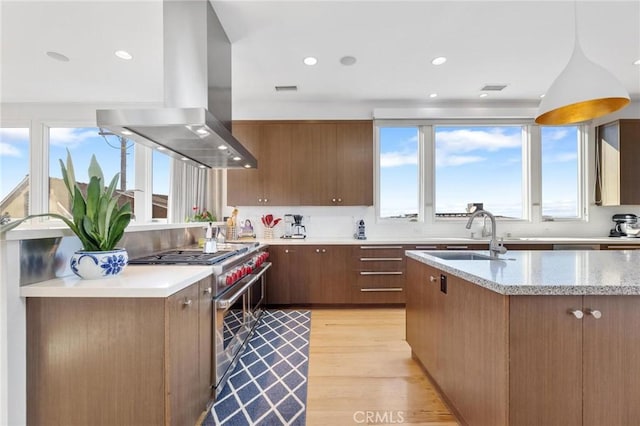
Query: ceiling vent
{"x": 493, "y": 87}
{"x": 286, "y": 88}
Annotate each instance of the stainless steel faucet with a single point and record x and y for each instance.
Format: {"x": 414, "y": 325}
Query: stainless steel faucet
{"x": 495, "y": 247}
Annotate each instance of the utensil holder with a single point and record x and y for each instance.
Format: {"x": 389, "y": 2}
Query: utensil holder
{"x": 232, "y": 233}
{"x": 268, "y": 233}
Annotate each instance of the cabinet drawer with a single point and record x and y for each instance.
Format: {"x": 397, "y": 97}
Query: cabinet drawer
{"x": 391, "y": 264}
{"x": 379, "y": 279}
{"x": 380, "y": 251}
{"x": 619, "y": 246}
{"x": 368, "y": 294}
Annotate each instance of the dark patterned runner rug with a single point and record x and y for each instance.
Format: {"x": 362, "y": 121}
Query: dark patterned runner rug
{"x": 269, "y": 384}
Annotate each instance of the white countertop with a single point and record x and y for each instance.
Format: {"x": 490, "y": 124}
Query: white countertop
{"x": 134, "y": 281}
{"x": 531, "y": 272}
{"x": 450, "y": 240}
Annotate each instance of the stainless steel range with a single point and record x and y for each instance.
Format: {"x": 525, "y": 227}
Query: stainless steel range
{"x": 238, "y": 297}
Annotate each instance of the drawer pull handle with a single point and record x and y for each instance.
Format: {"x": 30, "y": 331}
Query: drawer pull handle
{"x": 381, "y": 289}
{"x": 375, "y": 259}
{"x": 426, "y": 247}
{"x": 379, "y": 247}
{"x": 457, "y": 247}
{"x": 187, "y": 302}
{"x": 433, "y": 279}
{"x": 207, "y": 290}
{"x": 381, "y": 273}
{"x": 624, "y": 247}
{"x": 576, "y": 313}
{"x": 594, "y": 313}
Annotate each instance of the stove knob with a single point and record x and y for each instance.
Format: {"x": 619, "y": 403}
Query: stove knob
{"x": 236, "y": 275}
{"x": 229, "y": 279}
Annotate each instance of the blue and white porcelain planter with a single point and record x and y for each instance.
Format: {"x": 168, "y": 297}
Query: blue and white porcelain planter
{"x": 92, "y": 265}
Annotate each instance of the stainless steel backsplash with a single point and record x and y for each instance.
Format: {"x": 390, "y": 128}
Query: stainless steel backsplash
{"x": 47, "y": 258}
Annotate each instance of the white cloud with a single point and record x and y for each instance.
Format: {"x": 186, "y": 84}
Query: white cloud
{"x": 457, "y": 160}
{"x": 396, "y": 159}
{"x": 70, "y": 137}
{"x": 465, "y": 140}
{"x": 556, "y": 134}
{"x": 562, "y": 157}
{"x": 20, "y": 134}
{"x": 8, "y": 150}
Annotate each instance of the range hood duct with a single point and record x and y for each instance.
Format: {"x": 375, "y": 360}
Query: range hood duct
{"x": 195, "y": 125}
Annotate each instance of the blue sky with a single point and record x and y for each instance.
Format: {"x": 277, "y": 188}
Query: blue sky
{"x": 82, "y": 143}
{"x": 478, "y": 164}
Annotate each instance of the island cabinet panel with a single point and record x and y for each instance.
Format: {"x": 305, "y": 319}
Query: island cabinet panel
{"x": 205, "y": 336}
{"x": 318, "y": 163}
{"x": 611, "y": 361}
{"x": 117, "y": 361}
{"x": 545, "y": 361}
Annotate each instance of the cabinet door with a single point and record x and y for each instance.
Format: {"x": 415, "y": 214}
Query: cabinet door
{"x": 182, "y": 387}
{"x": 283, "y": 259}
{"x": 205, "y": 315}
{"x": 545, "y": 370}
{"x": 244, "y": 186}
{"x": 354, "y": 163}
{"x": 314, "y": 171}
{"x": 274, "y": 167}
{"x": 611, "y": 361}
{"x": 327, "y": 274}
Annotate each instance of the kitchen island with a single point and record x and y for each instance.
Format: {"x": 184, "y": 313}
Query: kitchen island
{"x": 535, "y": 338}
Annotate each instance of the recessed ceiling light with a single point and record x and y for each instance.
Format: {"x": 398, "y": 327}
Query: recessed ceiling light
{"x": 637, "y": 62}
{"x": 58, "y": 56}
{"x": 348, "y": 60}
{"x": 201, "y": 166}
{"x": 483, "y": 95}
{"x": 310, "y": 60}
{"x": 162, "y": 148}
{"x": 202, "y": 131}
{"x": 222, "y": 147}
{"x": 184, "y": 159}
{"x": 123, "y": 54}
{"x": 237, "y": 158}
{"x": 439, "y": 60}
{"x": 433, "y": 95}
{"x": 126, "y": 132}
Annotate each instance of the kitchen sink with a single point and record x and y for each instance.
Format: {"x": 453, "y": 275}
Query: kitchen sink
{"x": 464, "y": 256}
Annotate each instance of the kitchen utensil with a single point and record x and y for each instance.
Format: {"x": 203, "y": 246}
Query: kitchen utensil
{"x": 625, "y": 224}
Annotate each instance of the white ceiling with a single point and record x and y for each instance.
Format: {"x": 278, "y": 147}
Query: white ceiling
{"x": 522, "y": 44}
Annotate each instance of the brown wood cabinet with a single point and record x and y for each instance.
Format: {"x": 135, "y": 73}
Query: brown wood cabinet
{"x": 107, "y": 361}
{"x": 379, "y": 274}
{"x": 526, "y": 360}
{"x": 322, "y": 163}
{"x": 617, "y": 171}
{"x": 271, "y": 183}
{"x": 620, "y": 246}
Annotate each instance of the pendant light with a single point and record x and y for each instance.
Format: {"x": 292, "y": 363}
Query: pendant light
{"x": 584, "y": 90}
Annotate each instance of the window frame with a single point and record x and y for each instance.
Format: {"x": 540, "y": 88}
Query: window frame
{"x": 531, "y": 168}
{"x": 24, "y": 124}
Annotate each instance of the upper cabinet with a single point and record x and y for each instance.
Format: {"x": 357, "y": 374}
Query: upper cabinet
{"x": 617, "y": 171}
{"x": 320, "y": 163}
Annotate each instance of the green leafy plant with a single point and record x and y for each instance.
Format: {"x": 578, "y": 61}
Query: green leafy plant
{"x": 201, "y": 215}
{"x": 96, "y": 218}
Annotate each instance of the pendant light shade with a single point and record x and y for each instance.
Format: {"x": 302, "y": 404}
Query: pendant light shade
{"x": 584, "y": 90}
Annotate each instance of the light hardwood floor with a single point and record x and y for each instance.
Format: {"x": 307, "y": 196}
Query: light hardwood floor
{"x": 360, "y": 365}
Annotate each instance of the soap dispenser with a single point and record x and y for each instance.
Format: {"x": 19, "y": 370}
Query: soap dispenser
{"x": 209, "y": 241}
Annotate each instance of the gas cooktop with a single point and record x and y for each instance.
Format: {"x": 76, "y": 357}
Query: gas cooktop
{"x": 186, "y": 257}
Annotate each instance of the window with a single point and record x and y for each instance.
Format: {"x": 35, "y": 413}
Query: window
{"x": 14, "y": 171}
{"x": 399, "y": 177}
{"x": 479, "y": 164}
{"x": 114, "y": 153}
{"x": 560, "y": 172}
{"x": 161, "y": 169}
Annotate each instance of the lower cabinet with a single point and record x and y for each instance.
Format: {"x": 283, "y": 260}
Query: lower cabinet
{"x": 525, "y": 360}
{"x": 108, "y": 361}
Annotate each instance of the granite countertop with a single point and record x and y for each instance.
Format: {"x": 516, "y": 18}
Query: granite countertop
{"x": 448, "y": 240}
{"x": 531, "y": 272}
{"x": 134, "y": 281}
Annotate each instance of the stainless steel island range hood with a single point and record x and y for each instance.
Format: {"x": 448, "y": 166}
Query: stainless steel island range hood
{"x": 195, "y": 125}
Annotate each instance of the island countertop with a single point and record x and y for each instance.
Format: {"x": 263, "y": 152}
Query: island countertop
{"x": 135, "y": 281}
{"x": 530, "y": 272}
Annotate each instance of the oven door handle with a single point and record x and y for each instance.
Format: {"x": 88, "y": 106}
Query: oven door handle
{"x": 228, "y": 302}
